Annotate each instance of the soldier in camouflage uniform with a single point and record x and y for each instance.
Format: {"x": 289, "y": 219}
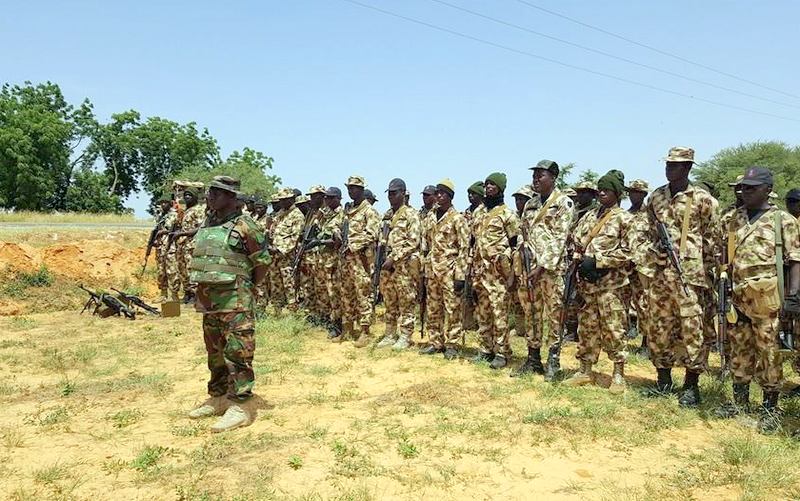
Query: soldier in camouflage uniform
{"x": 229, "y": 261}
{"x": 546, "y": 222}
{"x": 496, "y": 234}
{"x": 327, "y": 281}
{"x": 166, "y": 220}
{"x": 585, "y": 199}
{"x": 447, "y": 241}
{"x": 675, "y": 337}
{"x": 370, "y": 197}
{"x": 400, "y": 271}
{"x": 472, "y": 214}
{"x": 287, "y": 227}
{"x": 639, "y": 241}
{"x": 793, "y": 202}
{"x": 428, "y": 201}
{"x": 601, "y": 248}
{"x": 475, "y": 194}
{"x": 521, "y": 305}
{"x": 192, "y": 218}
{"x": 755, "y": 233}
{"x": 315, "y": 293}
{"x": 357, "y": 256}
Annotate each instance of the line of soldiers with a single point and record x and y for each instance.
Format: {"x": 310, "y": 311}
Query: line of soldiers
{"x": 559, "y": 261}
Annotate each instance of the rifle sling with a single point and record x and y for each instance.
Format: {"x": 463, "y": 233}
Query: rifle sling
{"x": 685, "y": 226}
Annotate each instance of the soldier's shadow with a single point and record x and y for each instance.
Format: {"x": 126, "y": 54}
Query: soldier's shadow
{"x": 255, "y": 404}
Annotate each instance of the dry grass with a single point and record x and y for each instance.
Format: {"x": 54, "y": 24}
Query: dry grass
{"x": 69, "y": 218}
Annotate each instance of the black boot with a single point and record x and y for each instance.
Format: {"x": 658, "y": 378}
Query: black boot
{"x": 482, "y": 357}
{"x": 498, "y": 362}
{"x": 690, "y": 393}
{"x": 770, "y": 419}
{"x": 431, "y": 350}
{"x": 334, "y": 329}
{"x": 663, "y": 385}
{"x": 571, "y": 336}
{"x": 740, "y": 404}
{"x": 528, "y": 367}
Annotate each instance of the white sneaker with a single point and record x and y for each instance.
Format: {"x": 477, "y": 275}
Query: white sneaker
{"x": 211, "y": 407}
{"x": 233, "y": 418}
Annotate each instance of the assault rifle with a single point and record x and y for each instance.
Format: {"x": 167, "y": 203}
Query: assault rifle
{"x": 113, "y": 306}
{"x": 136, "y": 301}
{"x": 302, "y": 246}
{"x": 723, "y": 307}
{"x": 554, "y": 352}
{"x": 345, "y": 233}
{"x": 527, "y": 265}
{"x": 423, "y": 304}
{"x": 665, "y": 242}
{"x": 380, "y": 258}
{"x": 467, "y": 294}
{"x": 151, "y": 242}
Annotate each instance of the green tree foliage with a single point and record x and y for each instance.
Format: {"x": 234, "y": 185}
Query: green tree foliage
{"x": 565, "y": 171}
{"x": 116, "y": 146}
{"x": 782, "y": 159}
{"x": 39, "y": 133}
{"x": 589, "y": 176}
{"x": 89, "y": 192}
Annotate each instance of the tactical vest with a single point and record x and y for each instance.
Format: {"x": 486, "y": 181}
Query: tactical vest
{"x": 215, "y": 260}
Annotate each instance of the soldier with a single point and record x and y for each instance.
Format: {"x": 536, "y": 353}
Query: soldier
{"x": 793, "y": 202}
{"x": 445, "y": 270}
{"x": 639, "y": 240}
{"x": 760, "y": 239}
{"x": 496, "y": 234}
{"x": 370, "y": 197}
{"x": 689, "y": 216}
{"x": 317, "y": 294}
{"x": 472, "y": 214}
{"x": 329, "y": 278}
{"x": 475, "y": 194}
{"x": 428, "y": 201}
{"x": 585, "y": 200}
{"x": 260, "y": 215}
{"x": 166, "y": 220}
{"x": 229, "y": 260}
{"x": 249, "y": 205}
{"x": 546, "y": 222}
{"x": 357, "y": 255}
{"x": 193, "y": 217}
{"x": 399, "y": 273}
{"x": 601, "y": 248}
{"x": 287, "y": 227}
{"x": 520, "y": 298}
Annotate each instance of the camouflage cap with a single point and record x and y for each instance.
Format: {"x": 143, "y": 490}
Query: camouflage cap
{"x": 226, "y": 183}
{"x": 285, "y": 193}
{"x": 547, "y": 165}
{"x": 639, "y": 185}
{"x": 302, "y": 199}
{"x": 736, "y": 182}
{"x": 585, "y": 185}
{"x": 274, "y": 198}
{"x": 356, "y": 181}
{"x": 570, "y": 192}
{"x": 773, "y": 195}
{"x": 259, "y": 202}
{"x": 524, "y": 191}
{"x": 317, "y": 188}
{"x": 680, "y": 154}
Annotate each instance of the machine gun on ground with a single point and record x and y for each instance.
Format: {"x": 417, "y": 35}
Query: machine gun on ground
{"x": 106, "y": 305}
{"x": 134, "y": 300}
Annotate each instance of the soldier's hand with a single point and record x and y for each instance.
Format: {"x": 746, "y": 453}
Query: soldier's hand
{"x": 458, "y": 286}
{"x": 791, "y": 308}
{"x": 388, "y": 265}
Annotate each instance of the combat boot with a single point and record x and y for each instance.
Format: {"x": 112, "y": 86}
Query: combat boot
{"x": 388, "y": 340}
{"x": 690, "y": 393}
{"x": 450, "y": 353}
{"x": 618, "y": 379}
{"x": 233, "y": 418}
{"x": 213, "y": 406}
{"x": 364, "y": 339}
{"x": 740, "y": 404}
{"x": 528, "y": 366}
{"x": 498, "y": 362}
{"x": 403, "y": 342}
{"x": 431, "y": 350}
{"x": 582, "y": 377}
{"x": 482, "y": 356}
{"x": 346, "y": 333}
{"x": 770, "y": 419}
{"x": 663, "y": 385}
{"x": 334, "y": 329}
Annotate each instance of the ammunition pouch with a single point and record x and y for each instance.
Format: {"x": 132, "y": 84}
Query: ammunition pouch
{"x": 760, "y": 297}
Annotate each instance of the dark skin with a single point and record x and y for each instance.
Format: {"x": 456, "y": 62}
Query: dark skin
{"x": 224, "y": 203}
{"x": 284, "y": 203}
{"x": 259, "y": 210}
{"x": 637, "y": 199}
{"x": 474, "y": 200}
{"x": 304, "y": 208}
{"x": 428, "y": 200}
{"x": 492, "y": 190}
{"x": 544, "y": 182}
{"x": 608, "y": 199}
{"x": 397, "y": 199}
{"x": 191, "y": 201}
{"x": 756, "y": 201}
{"x": 356, "y": 193}
{"x": 317, "y": 199}
{"x": 331, "y": 203}
{"x": 444, "y": 201}
{"x": 519, "y": 202}
{"x": 585, "y": 198}
{"x": 793, "y": 206}
{"x": 677, "y": 174}
{"x": 737, "y": 196}
{"x": 250, "y": 206}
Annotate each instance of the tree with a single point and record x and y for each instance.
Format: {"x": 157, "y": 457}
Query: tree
{"x": 783, "y": 160}
{"x": 588, "y": 176}
{"x": 116, "y": 145}
{"x": 40, "y": 134}
{"x": 89, "y": 192}
{"x": 565, "y": 171}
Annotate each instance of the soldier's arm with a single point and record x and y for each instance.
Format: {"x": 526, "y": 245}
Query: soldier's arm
{"x": 255, "y": 245}
{"x": 410, "y": 241}
{"x": 549, "y": 242}
{"x": 611, "y": 245}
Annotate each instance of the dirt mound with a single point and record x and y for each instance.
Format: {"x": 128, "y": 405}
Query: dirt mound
{"x": 97, "y": 259}
{"x": 19, "y": 256}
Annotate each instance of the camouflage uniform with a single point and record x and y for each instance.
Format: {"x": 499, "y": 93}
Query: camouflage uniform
{"x": 356, "y": 267}
{"x": 472, "y": 218}
{"x": 167, "y": 264}
{"x": 287, "y": 228}
{"x": 494, "y": 232}
{"x": 638, "y": 243}
{"x": 602, "y": 318}
{"x": 753, "y": 339}
{"x": 675, "y": 335}
{"x": 399, "y": 286}
{"x": 327, "y": 280}
{"x": 192, "y": 219}
{"x": 446, "y": 262}
{"x": 228, "y": 309}
{"x": 547, "y": 236}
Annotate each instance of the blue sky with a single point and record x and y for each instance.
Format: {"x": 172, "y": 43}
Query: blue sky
{"x": 329, "y": 88}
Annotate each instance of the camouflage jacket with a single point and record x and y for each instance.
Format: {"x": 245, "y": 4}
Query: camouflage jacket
{"x": 698, "y": 259}
{"x": 448, "y": 242}
{"x": 166, "y": 222}
{"x": 315, "y": 219}
{"x": 548, "y": 231}
{"x": 472, "y": 217}
{"x": 754, "y": 244}
{"x": 330, "y": 223}
{"x": 237, "y": 296}
{"x": 405, "y": 234}
{"x": 364, "y": 226}
{"x": 609, "y": 246}
{"x": 264, "y": 222}
{"x": 287, "y": 227}
{"x": 193, "y": 218}
{"x": 579, "y": 212}
{"x": 639, "y": 238}
{"x": 427, "y": 222}
{"x": 494, "y": 233}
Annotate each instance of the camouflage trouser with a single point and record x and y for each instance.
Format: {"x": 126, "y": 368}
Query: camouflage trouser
{"x": 281, "y": 281}
{"x": 328, "y": 281}
{"x": 355, "y": 290}
{"x": 161, "y": 270}
{"x": 274, "y": 284}
{"x": 305, "y": 282}
{"x": 399, "y": 289}
{"x": 168, "y": 266}
{"x": 319, "y": 287}
{"x": 492, "y": 312}
{"x": 184, "y": 256}
{"x": 638, "y": 302}
{"x": 754, "y": 350}
{"x": 708, "y": 301}
{"x": 230, "y": 344}
{"x": 547, "y": 298}
{"x": 602, "y": 322}
{"x": 444, "y": 311}
{"x": 675, "y": 336}
{"x": 523, "y": 311}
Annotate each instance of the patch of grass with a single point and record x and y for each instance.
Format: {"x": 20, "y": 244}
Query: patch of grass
{"x": 55, "y": 360}
{"x": 350, "y": 462}
{"x": 125, "y": 417}
{"x": 19, "y": 323}
{"x": 316, "y": 432}
{"x": 48, "y": 417}
{"x": 189, "y": 430}
{"x": 51, "y": 474}
{"x": 156, "y": 383}
{"x": 24, "y": 216}
{"x": 148, "y": 458}
{"x": 20, "y": 280}
{"x": 213, "y": 450}
{"x": 12, "y": 437}
{"x": 295, "y": 462}
{"x": 320, "y": 370}
{"x": 407, "y": 450}
{"x": 66, "y": 387}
